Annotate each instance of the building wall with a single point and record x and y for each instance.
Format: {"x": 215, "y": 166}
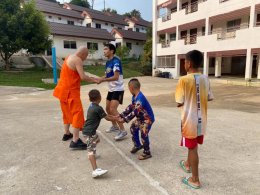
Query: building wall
{"x": 137, "y": 47}
{"x": 241, "y": 39}
{"x": 104, "y": 25}
{"x": 61, "y": 52}
{"x": 63, "y": 20}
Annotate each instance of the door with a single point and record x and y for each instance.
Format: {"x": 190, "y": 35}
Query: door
{"x": 182, "y": 67}
{"x": 193, "y": 36}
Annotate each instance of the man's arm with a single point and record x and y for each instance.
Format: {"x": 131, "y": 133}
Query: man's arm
{"x": 113, "y": 78}
{"x": 80, "y": 70}
{"x": 111, "y": 118}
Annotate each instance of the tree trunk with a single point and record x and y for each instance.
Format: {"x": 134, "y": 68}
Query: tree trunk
{"x": 7, "y": 63}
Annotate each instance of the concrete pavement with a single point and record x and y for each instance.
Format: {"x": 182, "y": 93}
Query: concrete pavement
{"x": 34, "y": 160}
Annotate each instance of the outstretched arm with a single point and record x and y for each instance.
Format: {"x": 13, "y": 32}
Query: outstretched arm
{"x": 83, "y": 76}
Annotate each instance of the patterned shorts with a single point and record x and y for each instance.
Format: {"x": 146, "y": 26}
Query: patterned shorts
{"x": 91, "y": 142}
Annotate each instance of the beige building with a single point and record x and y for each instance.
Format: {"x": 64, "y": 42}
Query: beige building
{"x": 226, "y": 31}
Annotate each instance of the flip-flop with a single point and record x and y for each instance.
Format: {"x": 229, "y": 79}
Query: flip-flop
{"x": 183, "y": 167}
{"x": 185, "y": 180}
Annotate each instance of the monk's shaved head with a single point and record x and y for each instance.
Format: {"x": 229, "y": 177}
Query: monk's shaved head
{"x": 82, "y": 52}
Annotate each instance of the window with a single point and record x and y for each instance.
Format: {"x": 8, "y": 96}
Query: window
{"x": 112, "y": 25}
{"x": 258, "y": 20}
{"x": 92, "y": 46}
{"x": 98, "y": 25}
{"x": 129, "y": 45}
{"x": 118, "y": 45}
{"x": 137, "y": 30}
{"x": 130, "y": 29}
{"x": 166, "y": 61}
{"x": 233, "y": 25}
{"x": 184, "y": 5}
{"x": 70, "y": 22}
{"x": 70, "y": 44}
{"x": 173, "y": 37}
{"x": 137, "y": 43}
{"x": 59, "y": 18}
{"x": 203, "y": 30}
{"x": 184, "y": 34}
{"x": 88, "y": 25}
{"x": 173, "y": 9}
{"x": 119, "y": 28}
{"x": 106, "y": 24}
{"x": 50, "y": 17}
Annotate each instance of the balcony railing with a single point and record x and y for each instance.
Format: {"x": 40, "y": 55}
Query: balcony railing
{"x": 166, "y": 17}
{"x": 165, "y": 45}
{"x": 193, "y": 7}
{"x": 228, "y": 33}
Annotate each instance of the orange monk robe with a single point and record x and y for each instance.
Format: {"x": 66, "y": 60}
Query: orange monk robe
{"x": 68, "y": 92}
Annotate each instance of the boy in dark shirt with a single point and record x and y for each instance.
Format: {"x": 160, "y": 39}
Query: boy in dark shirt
{"x": 94, "y": 115}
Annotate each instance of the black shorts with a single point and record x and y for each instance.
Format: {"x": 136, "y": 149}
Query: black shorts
{"x": 116, "y": 95}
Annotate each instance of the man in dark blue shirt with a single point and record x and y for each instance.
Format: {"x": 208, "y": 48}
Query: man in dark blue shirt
{"x": 114, "y": 78}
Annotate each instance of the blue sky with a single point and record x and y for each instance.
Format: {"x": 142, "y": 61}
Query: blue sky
{"x": 122, "y": 6}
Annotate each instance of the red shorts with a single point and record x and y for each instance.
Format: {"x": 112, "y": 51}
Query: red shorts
{"x": 192, "y": 143}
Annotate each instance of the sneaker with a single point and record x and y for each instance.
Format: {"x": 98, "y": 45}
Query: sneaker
{"x": 112, "y": 129}
{"x": 66, "y": 137}
{"x": 145, "y": 156}
{"x": 136, "y": 149}
{"x": 79, "y": 145}
{"x": 120, "y": 135}
{"x": 98, "y": 172}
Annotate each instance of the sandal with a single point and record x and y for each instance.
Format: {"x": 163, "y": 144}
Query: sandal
{"x": 185, "y": 180}
{"x": 184, "y": 167}
{"x": 144, "y": 156}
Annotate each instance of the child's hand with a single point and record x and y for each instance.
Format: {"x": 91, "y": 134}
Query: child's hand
{"x": 120, "y": 120}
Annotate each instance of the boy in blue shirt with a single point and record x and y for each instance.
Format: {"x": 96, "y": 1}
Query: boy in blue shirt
{"x": 141, "y": 109}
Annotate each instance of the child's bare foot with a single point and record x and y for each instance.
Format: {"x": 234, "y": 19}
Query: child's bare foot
{"x": 194, "y": 182}
{"x": 187, "y": 166}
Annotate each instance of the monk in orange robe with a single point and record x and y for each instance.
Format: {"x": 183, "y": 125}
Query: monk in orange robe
{"x": 68, "y": 92}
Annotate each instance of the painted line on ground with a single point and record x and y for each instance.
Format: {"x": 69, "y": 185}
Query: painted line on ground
{"x": 151, "y": 180}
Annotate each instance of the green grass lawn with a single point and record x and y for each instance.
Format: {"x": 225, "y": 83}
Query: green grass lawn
{"x": 33, "y": 77}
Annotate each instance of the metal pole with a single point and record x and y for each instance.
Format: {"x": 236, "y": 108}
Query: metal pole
{"x": 54, "y": 65}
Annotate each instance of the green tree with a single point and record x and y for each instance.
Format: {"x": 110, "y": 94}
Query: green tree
{"x": 109, "y": 10}
{"x": 134, "y": 13}
{"x": 22, "y": 27}
{"x": 82, "y": 3}
{"x": 122, "y": 52}
{"x": 146, "y": 58}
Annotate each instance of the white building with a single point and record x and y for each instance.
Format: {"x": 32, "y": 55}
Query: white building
{"x": 68, "y": 38}
{"x": 133, "y": 40}
{"x": 137, "y": 24}
{"x": 53, "y": 12}
{"x": 98, "y": 19}
{"x": 226, "y": 31}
